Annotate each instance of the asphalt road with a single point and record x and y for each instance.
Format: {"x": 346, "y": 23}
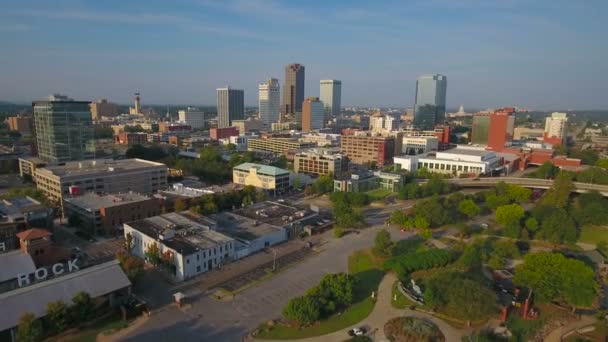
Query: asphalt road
{"x": 210, "y": 320}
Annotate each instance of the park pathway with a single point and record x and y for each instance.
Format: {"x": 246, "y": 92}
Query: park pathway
{"x": 382, "y": 313}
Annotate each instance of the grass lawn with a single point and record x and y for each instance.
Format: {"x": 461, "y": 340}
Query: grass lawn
{"x": 89, "y": 334}
{"x": 401, "y": 301}
{"x": 366, "y": 268}
{"x": 593, "y": 234}
{"x": 379, "y": 194}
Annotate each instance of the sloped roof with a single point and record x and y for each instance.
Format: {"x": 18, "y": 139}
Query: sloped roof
{"x": 34, "y": 233}
{"x": 97, "y": 281}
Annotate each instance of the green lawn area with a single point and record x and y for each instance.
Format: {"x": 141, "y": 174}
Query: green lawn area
{"x": 366, "y": 268}
{"x": 379, "y": 194}
{"x": 89, "y": 334}
{"x": 401, "y": 301}
{"x": 593, "y": 234}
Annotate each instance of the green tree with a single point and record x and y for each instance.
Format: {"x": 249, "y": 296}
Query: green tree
{"x": 398, "y": 217}
{"x": 558, "y": 227}
{"x": 338, "y": 232}
{"x": 603, "y": 163}
{"x": 509, "y": 214}
{"x": 546, "y": 170}
{"x": 82, "y": 307}
{"x": 559, "y": 193}
{"x": 383, "y": 243}
{"x": 297, "y": 183}
{"x": 555, "y": 277}
{"x": 421, "y": 222}
{"x": 324, "y": 184}
{"x": 426, "y": 233}
{"x": 29, "y": 329}
{"x": 494, "y": 201}
{"x": 468, "y": 208}
{"x": 57, "y": 315}
{"x": 152, "y": 254}
{"x": 518, "y": 193}
{"x": 304, "y": 310}
{"x": 531, "y": 224}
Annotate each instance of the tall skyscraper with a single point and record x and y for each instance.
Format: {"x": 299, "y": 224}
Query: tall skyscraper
{"x": 230, "y": 106}
{"x": 269, "y": 100}
{"x": 64, "y": 129}
{"x": 293, "y": 89}
{"x": 331, "y": 96}
{"x": 430, "y": 101}
{"x": 556, "y": 127}
{"x": 313, "y": 114}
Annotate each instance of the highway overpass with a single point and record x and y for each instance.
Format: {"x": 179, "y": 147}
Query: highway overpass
{"x": 526, "y": 182}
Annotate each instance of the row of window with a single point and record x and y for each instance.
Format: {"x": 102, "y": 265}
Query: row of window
{"x": 449, "y": 167}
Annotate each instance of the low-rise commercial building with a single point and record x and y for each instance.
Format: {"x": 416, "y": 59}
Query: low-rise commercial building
{"x": 270, "y": 178}
{"x": 524, "y": 133}
{"x": 417, "y": 145}
{"x": 28, "y": 166}
{"x": 357, "y": 183}
{"x": 278, "y": 145}
{"x": 456, "y": 161}
{"x": 249, "y": 125}
{"x": 320, "y": 162}
{"x": 138, "y": 138}
{"x": 190, "y": 245}
{"x": 100, "y": 176}
{"x": 104, "y": 215}
{"x": 173, "y": 127}
{"x": 223, "y": 133}
{"x": 322, "y": 139}
{"x": 193, "y": 117}
{"x": 389, "y": 181}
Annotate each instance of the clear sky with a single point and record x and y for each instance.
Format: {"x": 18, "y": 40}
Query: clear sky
{"x": 540, "y": 54}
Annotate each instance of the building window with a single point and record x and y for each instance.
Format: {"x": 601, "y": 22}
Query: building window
{"x": 198, "y": 269}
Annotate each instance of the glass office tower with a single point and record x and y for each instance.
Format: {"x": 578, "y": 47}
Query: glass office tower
{"x": 429, "y": 109}
{"x": 64, "y": 129}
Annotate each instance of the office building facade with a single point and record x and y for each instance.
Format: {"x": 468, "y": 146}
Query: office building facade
{"x": 103, "y": 107}
{"x": 481, "y": 129}
{"x": 331, "y": 96}
{"x": 264, "y": 177}
{"x": 429, "y": 109}
{"x": 21, "y": 124}
{"x": 556, "y": 128}
{"x": 502, "y": 125}
{"x": 192, "y": 117}
{"x": 64, "y": 129}
{"x": 293, "y": 89}
{"x": 269, "y": 101}
{"x": 366, "y": 148}
{"x": 320, "y": 162}
{"x": 278, "y": 145}
{"x": 230, "y": 106}
{"x": 313, "y": 114}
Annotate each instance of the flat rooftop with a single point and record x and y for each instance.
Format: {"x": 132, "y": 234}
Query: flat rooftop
{"x": 190, "y": 235}
{"x": 241, "y": 227}
{"x": 93, "y": 201}
{"x": 274, "y": 213}
{"x": 99, "y": 166}
{"x": 262, "y": 169}
{"x": 467, "y": 151}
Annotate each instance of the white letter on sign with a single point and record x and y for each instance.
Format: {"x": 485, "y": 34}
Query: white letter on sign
{"x": 23, "y": 279}
{"x": 72, "y": 265}
{"x": 41, "y": 273}
{"x": 57, "y": 269}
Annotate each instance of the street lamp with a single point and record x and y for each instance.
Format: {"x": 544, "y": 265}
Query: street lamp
{"x": 274, "y": 260}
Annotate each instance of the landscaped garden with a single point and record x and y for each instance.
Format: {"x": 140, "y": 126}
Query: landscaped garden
{"x": 411, "y": 329}
{"x": 339, "y": 301}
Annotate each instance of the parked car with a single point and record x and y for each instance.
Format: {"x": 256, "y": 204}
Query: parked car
{"x": 357, "y": 331}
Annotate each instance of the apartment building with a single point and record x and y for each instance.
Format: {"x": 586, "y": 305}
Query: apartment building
{"x": 367, "y": 148}
{"x": 278, "y": 145}
{"x": 320, "y": 162}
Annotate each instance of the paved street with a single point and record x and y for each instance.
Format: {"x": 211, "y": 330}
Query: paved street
{"x": 210, "y": 320}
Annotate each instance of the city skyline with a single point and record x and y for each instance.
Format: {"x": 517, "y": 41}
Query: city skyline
{"x": 494, "y": 56}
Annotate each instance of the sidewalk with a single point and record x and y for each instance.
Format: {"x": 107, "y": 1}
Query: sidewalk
{"x": 556, "y": 334}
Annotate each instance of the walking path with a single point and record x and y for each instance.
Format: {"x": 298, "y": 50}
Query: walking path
{"x": 556, "y": 334}
{"x": 382, "y": 313}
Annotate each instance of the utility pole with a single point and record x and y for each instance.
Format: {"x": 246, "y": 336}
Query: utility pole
{"x": 274, "y": 261}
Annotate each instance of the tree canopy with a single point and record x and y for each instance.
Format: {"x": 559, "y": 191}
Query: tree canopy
{"x": 552, "y": 276}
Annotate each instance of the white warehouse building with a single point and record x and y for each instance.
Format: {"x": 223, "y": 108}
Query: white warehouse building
{"x": 460, "y": 160}
{"x": 418, "y": 145}
{"x": 193, "y": 246}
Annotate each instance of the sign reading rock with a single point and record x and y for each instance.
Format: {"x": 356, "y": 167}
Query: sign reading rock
{"x": 42, "y": 273}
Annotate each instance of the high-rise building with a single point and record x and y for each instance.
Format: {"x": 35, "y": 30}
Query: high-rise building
{"x": 193, "y": 117}
{"x": 430, "y": 101}
{"x": 481, "y": 129}
{"x": 313, "y": 114}
{"x": 331, "y": 96}
{"x": 64, "y": 129}
{"x": 293, "y": 89}
{"x": 136, "y": 110}
{"x": 556, "y": 127}
{"x": 230, "y": 106}
{"x": 502, "y": 124}
{"x": 103, "y": 107}
{"x": 269, "y": 99}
